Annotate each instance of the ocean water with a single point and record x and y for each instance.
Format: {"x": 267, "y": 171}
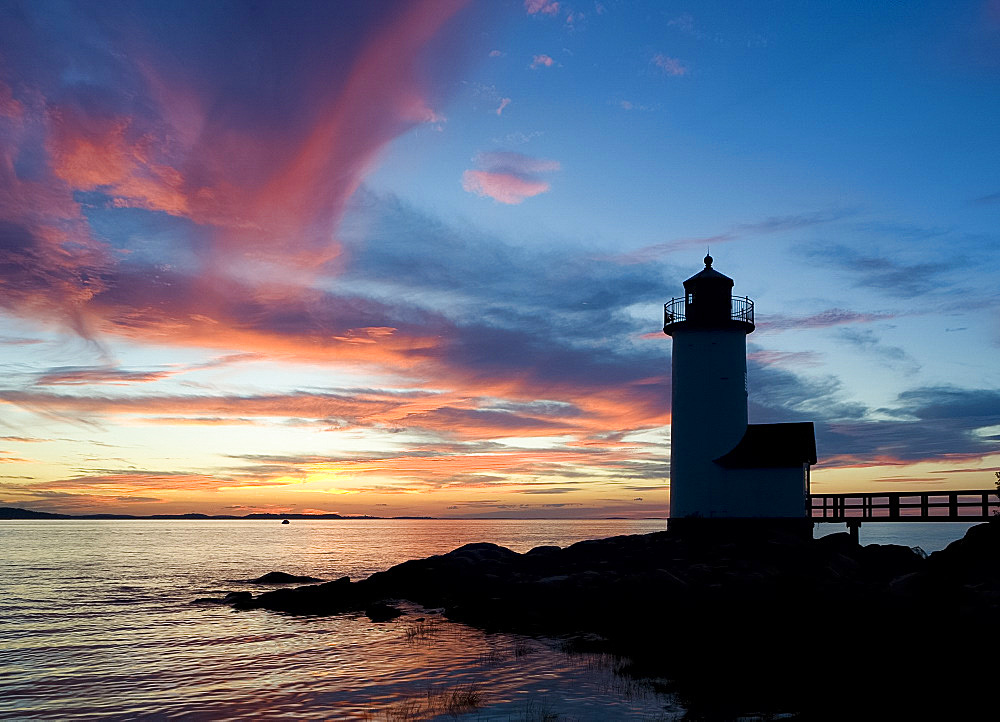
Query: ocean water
{"x": 931, "y": 536}
{"x": 97, "y": 622}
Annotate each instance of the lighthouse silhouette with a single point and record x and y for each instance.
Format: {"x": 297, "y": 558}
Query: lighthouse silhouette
{"x": 722, "y": 467}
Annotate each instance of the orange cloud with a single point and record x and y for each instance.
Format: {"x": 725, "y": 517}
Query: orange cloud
{"x": 91, "y": 152}
{"x": 462, "y": 413}
{"x": 539, "y": 61}
{"x": 135, "y": 482}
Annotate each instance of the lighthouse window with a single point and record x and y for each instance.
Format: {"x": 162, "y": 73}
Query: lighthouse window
{"x": 690, "y": 298}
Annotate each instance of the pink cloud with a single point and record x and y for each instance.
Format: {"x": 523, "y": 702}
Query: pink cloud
{"x": 504, "y": 102}
{"x": 540, "y": 60}
{"x": 496, "y": 54}
{"x": 508, "y": 177}
{"x": 823, "y": 319}
{"x": 267, "y": 192}
{"x": 546, "y": 7}
{"x": 670, "y": 66}
{"x": 9, "y": 106}
{"x": 503, "y": 187}
{"x": 266, "y": 196}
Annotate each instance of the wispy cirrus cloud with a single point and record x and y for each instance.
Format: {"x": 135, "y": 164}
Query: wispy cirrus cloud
{"x": 823, "y": 319}
{"x": 545, "y": 7}
{"x": 84, "y": 375}
{"x": 888, "y": 275}
{"x": 772, "y": 224}
{"x": 669, "y": 65}
{"x": 508, "y": 177}
{"x": 87, "y": 375}
{"x": 989, "y": 199}
{"x": 867, "y": 341}
{"x": 785, "y": 358}
{"x": 119, "y": 482}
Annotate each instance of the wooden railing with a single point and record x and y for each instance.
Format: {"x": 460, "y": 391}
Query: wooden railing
{"x": 965, "y": 505}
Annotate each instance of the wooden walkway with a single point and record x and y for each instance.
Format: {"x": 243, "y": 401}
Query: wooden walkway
{"x": 969, "y": 505}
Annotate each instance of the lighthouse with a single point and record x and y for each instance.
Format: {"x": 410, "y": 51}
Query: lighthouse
{"x": 722, "y": 467}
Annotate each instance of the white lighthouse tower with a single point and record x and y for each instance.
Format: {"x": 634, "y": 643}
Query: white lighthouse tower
{"x": 721, "y": 467}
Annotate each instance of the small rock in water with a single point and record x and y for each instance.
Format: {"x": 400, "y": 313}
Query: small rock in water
{"x": 381, "y": 612}
{"x": 282, "y": 578}
{"x": 286, "y": 522}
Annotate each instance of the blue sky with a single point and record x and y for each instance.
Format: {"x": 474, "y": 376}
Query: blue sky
{"x": 410, "y": 258}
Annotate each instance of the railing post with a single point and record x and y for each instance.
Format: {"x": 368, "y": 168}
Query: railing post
{"x": 853, "y": 525}
{"x": 894, "y": 506}
{"x": 924, "y": 512}
{"x": 953, "y": 505}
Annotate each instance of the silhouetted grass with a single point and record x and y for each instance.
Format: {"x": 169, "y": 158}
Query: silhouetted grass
{"x": 503, "y": 651}
{"x": 463, "y": 699}
{"x": 421, "y": 630}
{"x": 432, "y": 704}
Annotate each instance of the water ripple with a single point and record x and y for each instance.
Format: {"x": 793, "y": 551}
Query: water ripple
{"x": 98, "y": 624}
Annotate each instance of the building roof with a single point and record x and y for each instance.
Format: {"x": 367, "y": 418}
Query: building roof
{"x": 709, "y": 274}
{"x": 773, "y": 446}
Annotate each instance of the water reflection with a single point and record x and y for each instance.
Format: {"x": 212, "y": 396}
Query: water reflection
{"x": 99, "y": 622}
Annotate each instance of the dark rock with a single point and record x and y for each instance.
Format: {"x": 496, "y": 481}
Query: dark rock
{"x": 327, "y": 598}
{"x": 382, "y": 612}
{"x": 883, "y": 562}
{"x": 239, "y": 600}
{"x": 543, "y": 551}
{"x": 283, "y": 578}
{"x": 975, "y": 558}
{"x": 840, "y": 541}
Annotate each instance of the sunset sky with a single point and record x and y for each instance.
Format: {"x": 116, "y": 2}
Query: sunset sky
{"x": 411, "y": 258}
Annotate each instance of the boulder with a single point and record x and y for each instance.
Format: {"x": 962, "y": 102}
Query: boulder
{"x": 283, "y": 578}
{"x": 382, "y": 612}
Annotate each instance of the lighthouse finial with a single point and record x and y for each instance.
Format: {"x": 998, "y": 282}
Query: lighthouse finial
{"x": 708, "y": 259}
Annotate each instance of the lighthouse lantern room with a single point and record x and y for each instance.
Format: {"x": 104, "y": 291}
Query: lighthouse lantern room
{"x": 721, "y": 467}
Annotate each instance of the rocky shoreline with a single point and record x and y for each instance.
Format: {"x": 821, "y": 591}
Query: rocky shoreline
{"x": 766, "y": 622}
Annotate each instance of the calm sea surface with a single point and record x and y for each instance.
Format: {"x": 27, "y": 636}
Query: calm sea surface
{"x": 97, "y": 621}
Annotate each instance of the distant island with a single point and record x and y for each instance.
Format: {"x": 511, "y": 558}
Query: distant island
{"x": 10, "y": 512}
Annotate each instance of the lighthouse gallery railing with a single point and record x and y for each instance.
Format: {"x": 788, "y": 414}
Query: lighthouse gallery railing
{"x": 676, "y": 310}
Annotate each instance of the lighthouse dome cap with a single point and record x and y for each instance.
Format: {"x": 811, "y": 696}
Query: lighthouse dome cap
{"x": 709, "y": 275}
